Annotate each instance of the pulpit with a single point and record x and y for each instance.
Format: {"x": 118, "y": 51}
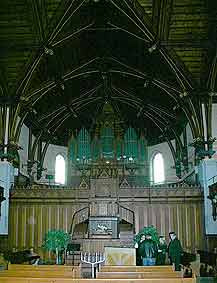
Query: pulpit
{"x": 104, "y": 227}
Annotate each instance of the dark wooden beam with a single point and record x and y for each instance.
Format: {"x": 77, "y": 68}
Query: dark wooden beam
{"x": 211, "y": 63}
{"x": 136, "y": 14}
{"x": 38, "y": 20}
{"x": 68, "y": 8}
{"x": 212, "y": 75}
{"x": 161, "y": 16}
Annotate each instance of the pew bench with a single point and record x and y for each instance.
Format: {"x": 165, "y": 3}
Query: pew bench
{"x": 40, "y": 267}
{"x": 35, "y": 274}
{"x": 134, "y": 268}
{"x": 6, "y": 279}
{"x": 139, "y": 275}
{"x": 74, "y": 271}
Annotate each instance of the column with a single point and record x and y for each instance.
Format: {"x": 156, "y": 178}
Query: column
{"x": 207, "y": 171}
{"x": 6, "y": 181}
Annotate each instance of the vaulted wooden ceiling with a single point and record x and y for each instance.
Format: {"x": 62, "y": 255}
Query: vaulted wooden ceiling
{"x": 154, "y": 61}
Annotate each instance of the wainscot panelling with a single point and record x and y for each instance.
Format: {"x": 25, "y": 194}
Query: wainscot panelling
{"x": 35, "y": 211}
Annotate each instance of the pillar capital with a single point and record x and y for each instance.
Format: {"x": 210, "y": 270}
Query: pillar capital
{"x": 203, "y": 148}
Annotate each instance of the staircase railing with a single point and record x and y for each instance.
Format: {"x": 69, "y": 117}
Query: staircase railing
{"x": 214, "y": 179}
{"x": 79, "y": 217}
{"x": 130, "y": 215}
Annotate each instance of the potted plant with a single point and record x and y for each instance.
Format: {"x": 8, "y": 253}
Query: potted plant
{"x": 149, "y": 230}
{"x": 56, "y": 241}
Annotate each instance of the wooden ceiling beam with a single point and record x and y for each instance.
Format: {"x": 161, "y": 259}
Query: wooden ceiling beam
{"x": 137, "y": 15}
{"x": 212, "y": 77}
{"x": 68, "y": 12}
{"x": 212, "y": 52}
{"x": 161, "y": 17}
{"x": 38, "y": 20}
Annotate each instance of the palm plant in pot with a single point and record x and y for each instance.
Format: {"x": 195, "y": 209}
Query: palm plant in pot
{"x": 56, "y": 241}
{"x": 150, "y": 230}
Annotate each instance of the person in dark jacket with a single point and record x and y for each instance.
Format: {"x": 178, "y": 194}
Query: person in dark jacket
{"x": 175, "y": 251}
{"x": 147, "y": 250}
{"x": 161, "y": 252}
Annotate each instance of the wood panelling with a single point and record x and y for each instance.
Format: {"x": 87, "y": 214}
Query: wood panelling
{"x": 31, "y": 215}
{"x": 184, "y": 219}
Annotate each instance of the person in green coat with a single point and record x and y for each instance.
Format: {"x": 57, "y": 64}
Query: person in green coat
{"x": 175, "y": 251}
{"x": 161, "y": 252}
{"x": 147, "y": 250}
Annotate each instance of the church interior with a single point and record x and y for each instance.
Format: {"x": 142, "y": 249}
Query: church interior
{"x": 108, "y": 133}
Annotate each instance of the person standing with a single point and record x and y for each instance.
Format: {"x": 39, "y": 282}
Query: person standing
{"x": 175, "y": 251}
{"x": 147, "y": 250}
{"x": 161, "y": 252}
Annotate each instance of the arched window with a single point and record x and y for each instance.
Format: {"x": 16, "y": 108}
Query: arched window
{"x": 158, "y": 168}
{"x": 60, "y": 175}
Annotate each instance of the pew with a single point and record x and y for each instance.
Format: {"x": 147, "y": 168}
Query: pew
{"x": 6, "y": 279}
{"x": 134, "y": 268}
{"x": 40, "y": 267}
{"x": 139, "y": 275}
{"x": 63, "y": 274}
{"x": 62, "y": 270}
{"x": 38, "y": 273}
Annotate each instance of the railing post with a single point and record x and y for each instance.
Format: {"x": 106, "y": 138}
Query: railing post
{"x": 74, "y": 216}
{"x": 134, "y": 228}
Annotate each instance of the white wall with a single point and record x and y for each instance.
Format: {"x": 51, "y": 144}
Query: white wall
{"x": 169, "y": 166}
{"x": 50, "y": 158}
{"x": 54, "y": 150}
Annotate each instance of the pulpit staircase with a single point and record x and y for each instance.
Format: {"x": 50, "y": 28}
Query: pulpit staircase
{"x": 79, "y": 231}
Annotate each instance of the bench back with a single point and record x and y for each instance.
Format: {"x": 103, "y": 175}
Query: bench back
{"x": 139, "y": 275}
{"x": 62, "y": 269}
{"x": 130, "y": 268}
{"x": 68, "y": 280}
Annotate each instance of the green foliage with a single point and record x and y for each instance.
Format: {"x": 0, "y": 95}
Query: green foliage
{"x": 149, "y": 230}
{"x": 56, "y": 240}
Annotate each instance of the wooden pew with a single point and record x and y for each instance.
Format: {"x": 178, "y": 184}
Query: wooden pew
{"x": 63, "y": 270}
{"x": 40, "y": 267}
{"x": 139, "y": 275}
{"x": 37, "y": 273}
{"x": 68, "y": 280}
{"x": 60, "y": 274}
{"x": 133, "y": 268}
